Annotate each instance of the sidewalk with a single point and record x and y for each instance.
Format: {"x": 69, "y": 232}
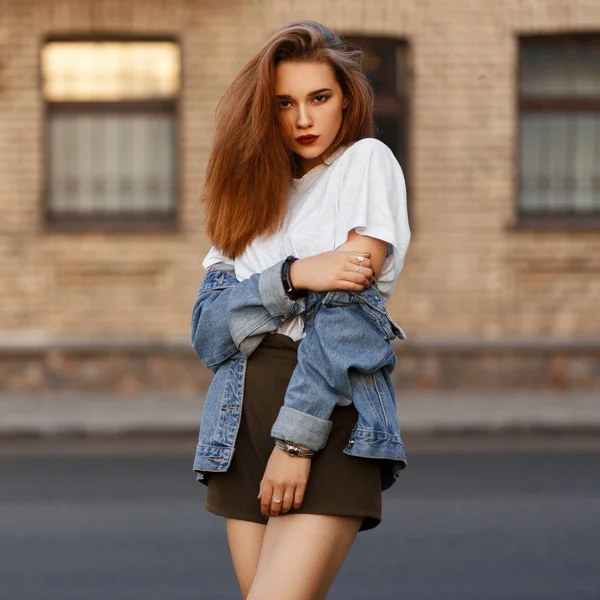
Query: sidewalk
{"x": 418, "y": 412}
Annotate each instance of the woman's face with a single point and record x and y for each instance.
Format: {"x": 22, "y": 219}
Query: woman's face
{"x": 310, "y": 102}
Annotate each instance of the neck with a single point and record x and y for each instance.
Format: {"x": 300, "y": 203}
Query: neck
{"x": 306, "y": 165}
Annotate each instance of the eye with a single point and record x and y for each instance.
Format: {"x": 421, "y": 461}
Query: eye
{"x": 284, "y": 103}
{"x": 323, "y": 98}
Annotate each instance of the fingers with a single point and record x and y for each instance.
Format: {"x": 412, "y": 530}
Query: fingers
{"x": 357, "y": 253}
{"x": 275, "y": 507}
{"x": 353, "y": 258}
{"x": 298, "y": 496}
{"x": 270, "y": 508}
{"x": 266, "y": 491}
{"x": 362, "y": 267}
{"x": 359, "y": 263}
{"x": 352, "y": 286}
{"x": 288, "y": 500}
{"x": 363, "y": 277}
{"x": 364, "y": 271}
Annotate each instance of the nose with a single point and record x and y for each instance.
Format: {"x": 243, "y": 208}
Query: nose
{"x": 303, "y": 118}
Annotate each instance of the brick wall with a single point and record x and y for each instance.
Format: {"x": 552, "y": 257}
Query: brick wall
{"x": 468, "y": 274}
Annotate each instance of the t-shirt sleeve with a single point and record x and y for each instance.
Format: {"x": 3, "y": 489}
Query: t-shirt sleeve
{"x": 214, "y": 256}
{"x": 372, "y": 200}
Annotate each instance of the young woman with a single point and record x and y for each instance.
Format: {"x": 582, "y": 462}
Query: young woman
{"x": 296, "y": 174}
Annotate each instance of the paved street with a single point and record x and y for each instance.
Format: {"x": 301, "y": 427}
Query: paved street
{"x": 126, "y": 522}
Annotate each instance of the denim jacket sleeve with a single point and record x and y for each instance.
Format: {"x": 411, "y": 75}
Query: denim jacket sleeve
{"x": 344, "y": 335}
{"x": 230, "y": 315}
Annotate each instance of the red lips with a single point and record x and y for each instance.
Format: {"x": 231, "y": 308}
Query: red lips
{"x": 307, "y": 139}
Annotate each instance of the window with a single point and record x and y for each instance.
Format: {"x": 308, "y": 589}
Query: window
{"x": 111, "y": 132}
{"x": 559, "y": 129}
{"x": 385, "y": 63}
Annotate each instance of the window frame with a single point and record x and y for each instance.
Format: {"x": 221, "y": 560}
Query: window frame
{"x": 539, "y": 104}
{"x": 125, "y": 221}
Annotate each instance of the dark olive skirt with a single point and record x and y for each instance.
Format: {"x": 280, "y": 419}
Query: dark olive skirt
{"x": 338, "y": 484}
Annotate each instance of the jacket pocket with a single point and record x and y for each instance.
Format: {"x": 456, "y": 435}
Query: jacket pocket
{"x": 373, "y": 301}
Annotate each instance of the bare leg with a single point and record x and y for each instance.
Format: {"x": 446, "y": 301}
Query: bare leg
{"x": 301, "y": 555}
{"x": 245, "y": 543}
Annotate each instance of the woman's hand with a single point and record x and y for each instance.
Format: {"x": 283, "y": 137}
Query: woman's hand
{"x": 285, "y": 477}
{"x": 333, "y": 270}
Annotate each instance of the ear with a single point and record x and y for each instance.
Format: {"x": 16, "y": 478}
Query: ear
{"x": 345, "y": 103}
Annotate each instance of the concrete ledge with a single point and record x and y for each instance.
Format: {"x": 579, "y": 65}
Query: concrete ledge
{"x": 418, "y": 412}
{"x": 494, "y": 411}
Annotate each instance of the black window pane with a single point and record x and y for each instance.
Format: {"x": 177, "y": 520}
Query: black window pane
{"x": 390, "y": 132}
{"x": 379, "y": 63}
{"x": 386, "y": 66}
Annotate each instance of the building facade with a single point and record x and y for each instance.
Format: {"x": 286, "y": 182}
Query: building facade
{"x": 492, "y": 107}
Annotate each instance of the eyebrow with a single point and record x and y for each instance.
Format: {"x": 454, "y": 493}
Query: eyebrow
{"x": 315, "y": 93}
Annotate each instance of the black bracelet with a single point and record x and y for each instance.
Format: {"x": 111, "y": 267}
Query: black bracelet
{"x": 286, "y": 279}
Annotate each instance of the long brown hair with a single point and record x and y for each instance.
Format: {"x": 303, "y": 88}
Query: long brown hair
{"x": 250, "y": 167}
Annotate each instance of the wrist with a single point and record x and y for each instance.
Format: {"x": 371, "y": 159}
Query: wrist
{"x": 291, "y": 291}
{"x": 296, "y": 274}
{"x": 294, "y": 450}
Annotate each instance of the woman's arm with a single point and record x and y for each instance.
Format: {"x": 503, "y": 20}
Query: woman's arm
{"x": 347, "y": 336}
{"x": 343, "y": 336}
{"x": 363, "y": 243}
{"x": 231, "y": 315}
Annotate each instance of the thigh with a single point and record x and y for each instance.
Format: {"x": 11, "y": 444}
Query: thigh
{"x": 245, "y": 544}
{"x": 301, "y": 556}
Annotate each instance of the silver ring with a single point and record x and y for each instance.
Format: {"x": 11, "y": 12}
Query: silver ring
{"x": 276, "y": 500}
{"x": 360, "y": 259}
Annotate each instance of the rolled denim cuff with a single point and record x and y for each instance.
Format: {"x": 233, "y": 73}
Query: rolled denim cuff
{"x": 301, "y": 428}
{"x": 271, "y": 291}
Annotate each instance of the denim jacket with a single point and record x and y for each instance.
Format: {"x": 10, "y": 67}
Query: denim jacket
{"x": 345, "y": 352}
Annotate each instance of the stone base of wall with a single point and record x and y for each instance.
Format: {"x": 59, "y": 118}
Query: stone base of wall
{"x": 116, "y": 368}
{"x": 133, "y": 368}
{"x": 516, "y": 365}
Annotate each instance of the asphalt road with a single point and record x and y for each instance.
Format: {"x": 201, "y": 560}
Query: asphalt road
{"x": 122, "y": 523}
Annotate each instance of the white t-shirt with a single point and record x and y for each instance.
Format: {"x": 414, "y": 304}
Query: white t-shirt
{"x": 361, "y": 187}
